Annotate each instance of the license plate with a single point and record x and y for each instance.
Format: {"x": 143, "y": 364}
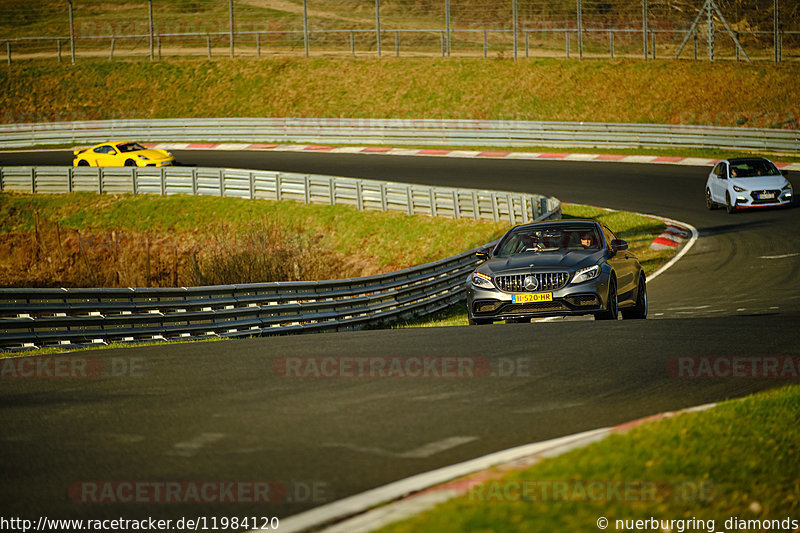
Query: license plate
{"x": 532, "y": 298}
{"x": 768, "y": 196}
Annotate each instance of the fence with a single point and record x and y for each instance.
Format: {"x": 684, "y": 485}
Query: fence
{"x": 71, "y": 317}
{"x": 331, "y": 190}
{"x": 404, "y": 132}
{"x": 767, "y": 29}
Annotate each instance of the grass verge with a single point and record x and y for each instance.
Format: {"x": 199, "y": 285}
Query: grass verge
{"x": 669, "y": 92}
{"x": 85, "y": 239}
{"x": 736, "y": 460}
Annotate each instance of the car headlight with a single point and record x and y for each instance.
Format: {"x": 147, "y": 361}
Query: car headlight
{"x": 586, "y": 274}
{"x": 482, "y": 280}
{"x": 144, "y": 157}
{"x": 738, "y": 189}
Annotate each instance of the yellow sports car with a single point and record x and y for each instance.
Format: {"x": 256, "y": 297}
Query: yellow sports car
{"x": 121, "y": 154}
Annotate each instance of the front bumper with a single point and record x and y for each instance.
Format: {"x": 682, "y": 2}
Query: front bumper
{"x": 581, "y": 299}
{"x": 762, "y": 198}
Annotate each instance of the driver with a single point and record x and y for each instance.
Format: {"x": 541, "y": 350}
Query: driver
{"x": 587, "y": 240}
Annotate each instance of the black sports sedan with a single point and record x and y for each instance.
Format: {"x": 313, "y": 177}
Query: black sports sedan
{"x": 566, "y": 267}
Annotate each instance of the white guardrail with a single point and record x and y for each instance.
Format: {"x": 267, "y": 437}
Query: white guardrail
{"x": 31, "y": 318}
{"x": 403, "y": 132}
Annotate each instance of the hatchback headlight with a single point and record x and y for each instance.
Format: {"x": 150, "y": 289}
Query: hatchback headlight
{"x": 586, "y": 274}
{"x": 482, "y": 280}
{"x": 738, "y": 189}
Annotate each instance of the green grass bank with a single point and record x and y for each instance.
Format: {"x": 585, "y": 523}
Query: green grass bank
{"x": 669, "y": 92}
{"x": 736, "y": 461}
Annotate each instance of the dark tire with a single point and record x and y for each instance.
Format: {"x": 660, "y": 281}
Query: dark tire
{"x": 130, "y": 163}
{"x": 728, "y": 207}
{"x": 612, "y": 309}
{"x": 639, "y": 311}
{"x": 83, "y": 163}
{"x": 479, "y": 321}
{"x": 710, "y": 204}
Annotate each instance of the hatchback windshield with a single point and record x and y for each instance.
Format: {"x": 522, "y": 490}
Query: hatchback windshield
{"x": 752, "y": 168}
{"x": 549, "y": 239}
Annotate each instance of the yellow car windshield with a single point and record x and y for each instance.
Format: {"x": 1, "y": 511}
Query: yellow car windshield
{"x": 130, "y": 147}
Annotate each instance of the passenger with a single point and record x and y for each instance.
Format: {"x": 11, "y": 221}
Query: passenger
{"x": 587, "y": 240}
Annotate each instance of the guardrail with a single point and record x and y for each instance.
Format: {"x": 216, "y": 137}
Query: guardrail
{"x": 259, "y": 184}
{"x": 31, "y": 318}
{"x": 403, "y": 132}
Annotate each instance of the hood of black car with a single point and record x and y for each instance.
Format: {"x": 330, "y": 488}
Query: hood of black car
{"x": 543, "y": 261}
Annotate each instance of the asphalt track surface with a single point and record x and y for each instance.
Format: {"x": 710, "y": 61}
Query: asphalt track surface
{"x": 227, "y": 411}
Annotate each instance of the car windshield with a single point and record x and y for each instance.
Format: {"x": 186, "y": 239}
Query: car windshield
{"x": 532, "y": 240}
{"x": 130, "y": 147}
{"x": 752, "y": 168}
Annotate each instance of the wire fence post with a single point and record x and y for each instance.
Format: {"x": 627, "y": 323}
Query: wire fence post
{"x": 8, "y": 51}
{"x": 514, "y": 23}
{"x": 710, "y": 22}
{"x": 580, "y": 30}
{"x": 378, "y": 25}
{"x": 611, "y": 43}
{"x": 150, "y": 19}
{"x": 644, "y": 28}
{"x": 305, "y": 26}
{"x": 775, "y": 28}
{"x": 230, "y": 24}
{"x": 566, "y": 37}
{"x": 71, "y": 32}
{"x": 447, "y": 23}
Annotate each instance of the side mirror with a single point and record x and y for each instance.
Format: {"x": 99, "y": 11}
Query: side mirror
{"x": 112, "y": 152}
{"x": 619, "y": 244}
{"x": 482, "y": 254}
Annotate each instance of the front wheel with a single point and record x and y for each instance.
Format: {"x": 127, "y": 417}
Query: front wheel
{"x": 612, "y": 308}
{"x": 730, "y": 208}
{"x": 638, "y": 311}
{"x": 130, "y": 163}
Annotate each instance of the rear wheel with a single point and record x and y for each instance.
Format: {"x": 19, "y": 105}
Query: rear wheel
{"x": 612, "y": 308}
{"x": 638, "y": 311}
{"x": 710, "y": 204}
{"x": 83, "y": 163}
